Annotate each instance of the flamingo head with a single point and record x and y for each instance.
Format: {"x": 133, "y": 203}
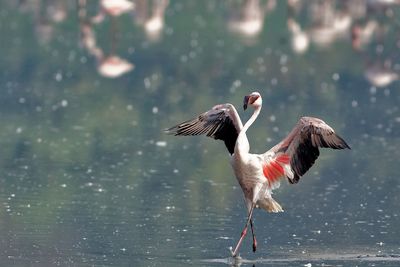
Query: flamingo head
{"x": 254, "y": 100}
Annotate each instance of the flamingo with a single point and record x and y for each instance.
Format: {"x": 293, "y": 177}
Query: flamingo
{"x": 259, "y": 174}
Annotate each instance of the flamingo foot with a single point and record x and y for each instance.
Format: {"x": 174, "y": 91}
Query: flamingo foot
{"x": 254, "y": 244}
{"x": 233, "y": 253}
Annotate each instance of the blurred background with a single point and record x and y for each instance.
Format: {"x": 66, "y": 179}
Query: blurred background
{"x": 88, "y": 178}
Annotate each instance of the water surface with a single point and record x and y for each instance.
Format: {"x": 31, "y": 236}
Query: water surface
{"x": 88, "y": 178}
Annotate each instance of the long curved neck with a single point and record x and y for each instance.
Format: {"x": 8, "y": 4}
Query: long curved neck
{"x": 251, "y": 120}
{"x": 242, "y": 144}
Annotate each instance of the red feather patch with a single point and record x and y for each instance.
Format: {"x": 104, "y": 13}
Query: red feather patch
{"x": 273, "y": 170}
{"x": 284, "y": 159}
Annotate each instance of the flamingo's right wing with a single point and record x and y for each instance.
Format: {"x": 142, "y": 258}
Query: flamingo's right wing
{"x": 218, "y": 123}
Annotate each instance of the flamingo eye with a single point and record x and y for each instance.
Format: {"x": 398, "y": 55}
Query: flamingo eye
{"x": 253, "y": 99}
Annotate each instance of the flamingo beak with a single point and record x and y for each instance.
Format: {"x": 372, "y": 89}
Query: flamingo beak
{"x": 245, "y": 102}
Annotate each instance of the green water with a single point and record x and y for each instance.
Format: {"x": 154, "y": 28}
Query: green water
{"x": 88, "y": 178}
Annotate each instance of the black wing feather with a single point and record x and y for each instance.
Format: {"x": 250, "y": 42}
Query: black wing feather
{"x": 214, "y": 123}
{"x": 314, "y": 133}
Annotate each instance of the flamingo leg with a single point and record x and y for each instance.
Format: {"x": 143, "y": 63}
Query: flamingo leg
{"x": 254, "y": 236}
{"x": 244, "y": 232}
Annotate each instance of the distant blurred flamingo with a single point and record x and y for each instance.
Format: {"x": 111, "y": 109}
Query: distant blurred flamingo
{"x": 259, "y": 174}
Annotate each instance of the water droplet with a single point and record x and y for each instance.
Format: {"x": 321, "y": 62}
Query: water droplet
{"x": 161, "y": 143}
{"x": 58, "y": 77}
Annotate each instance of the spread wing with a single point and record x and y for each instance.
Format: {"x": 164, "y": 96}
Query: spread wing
{"x": 218, "y": 123}
{"x": 302, "y": 143}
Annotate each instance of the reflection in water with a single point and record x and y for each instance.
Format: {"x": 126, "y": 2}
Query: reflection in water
{"x": 46, "y": 14}
{"x": 300, "y": 40}
{"x": 150, "y": 15}
{"x": 116, "y": 7}
{"x": 319, "y": 258}
{"x": 320, "y": 23}
{"x": 113, "y": 8}
{"x": 114, "y": 66}
{"x": 248, "y": 19}
{"x": 362, "y": 35}
{"x": 328, "y": 24}
{"x": 111, "y": 66}
{"x": 331, "y": 21}
{"x": 381, "y": 74}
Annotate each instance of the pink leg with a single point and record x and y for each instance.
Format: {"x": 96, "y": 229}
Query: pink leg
{"x": 244, "y": 232}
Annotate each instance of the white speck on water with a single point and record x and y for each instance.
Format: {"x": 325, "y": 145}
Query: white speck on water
{"x": 129, "y": 107}
{"x": 336, "y": 76}
{"x": 272, "y": 118}
{"x": 386, "y": 92}
{"x": 19, "y": 130}
{"x": 379, "y": 48}
{"x": 308, "y": 265}
{"x": 354, "y": 103}
{"x": 22, "y": 100}
{"x": 64, "y": 103}
{"x": 147, "y": 82}
{"x": 161, "y": 143}
{"x": 372, "y": 90}
{"x": 154, "y": 110}
{"x": 123, "y": 249}
{"x": 237, "y": 83}
{"x": 194, "y": 43}
{"x": 58, "y": 77}
{"x": 176, "y": 171}
{"x": 360, "y": 222}
{"x": 63, "y": 185}
{"x": 184, "y": 58}
{"x": 283, "y": 59}
{"x": 169, "y": 31}
{"x": 224, "y": 237}
{"x": 170, "y": 208}
{"x": 139, "y": 152}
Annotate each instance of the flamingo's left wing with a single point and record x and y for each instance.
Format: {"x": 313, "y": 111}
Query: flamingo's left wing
{"x": 300, "y": 148}
{"x": 216, "y": 123}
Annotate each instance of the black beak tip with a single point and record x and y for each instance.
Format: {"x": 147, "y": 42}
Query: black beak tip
{"x": 245, "y": 102}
